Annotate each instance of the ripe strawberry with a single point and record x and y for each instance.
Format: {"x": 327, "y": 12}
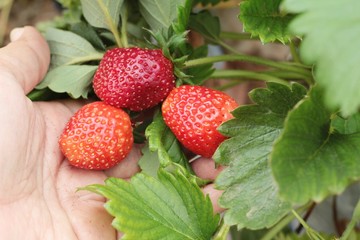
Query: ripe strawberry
{"x": 134, "y": 78}
{"x": 193, "y": 114}
{"x": 98, "y": 137}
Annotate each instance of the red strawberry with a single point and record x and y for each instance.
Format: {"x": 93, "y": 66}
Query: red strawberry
{"x": 193, "y": 114}
{"x": 98, "y": 137}
{"x": 134, "y": 78}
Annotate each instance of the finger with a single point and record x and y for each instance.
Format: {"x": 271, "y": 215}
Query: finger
{"x": 127, "y": 167}
{"x": 25, "y": 60}
{"x": 206, "y": 168}
{"x": 214, "y": 196}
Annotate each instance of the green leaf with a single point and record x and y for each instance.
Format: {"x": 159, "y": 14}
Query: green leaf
{"x": 251, "y": 194}
{"x": 310, "y": 161}
{"x": 73, "y": 79}
{"x": 100, "y": 13}
{"x": 169, "y": 207}
{"x": 207, "y": 25}
{"x": 69, "y": 48}
{"x": 330, "y": 30}
{"x": 149, "y": 161}
{"x": 180, "y": 25}
{"x": 265, "y": 20}
{"x": 161, "y": 139}
{"x": 160, "y": 14}
{"x": 86, "y": 31}
{"x": 347, "y": 125}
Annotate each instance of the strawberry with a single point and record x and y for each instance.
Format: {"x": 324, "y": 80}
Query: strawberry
{"x": 98, "y": 136}
{"x": 193, "y": 113}
{"x": 134, "y": 78}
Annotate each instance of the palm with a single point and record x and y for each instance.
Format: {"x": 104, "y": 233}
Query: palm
{"x": 41, "y": 186}
{"x": 38, "y": 188}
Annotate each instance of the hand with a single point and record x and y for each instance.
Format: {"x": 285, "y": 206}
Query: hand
{"x": 38, "y": 197}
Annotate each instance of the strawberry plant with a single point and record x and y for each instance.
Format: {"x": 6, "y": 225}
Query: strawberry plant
{"x": 295, "y": 146}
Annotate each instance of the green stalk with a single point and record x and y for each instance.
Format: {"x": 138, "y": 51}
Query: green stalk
{"x": 283, "y": 74}
{"x": 296, "y": 67}
{"x": 37, "y": 94}
{"x": 223, "y": 232}
{"x": 281, "y": 224}
{"x": 110, "y": 23}
{"x": 247, "y": 74}
{"x": 294, "y": 52}
{"x": 261, "y": 61}
{"x": 355, "y": 218}
{"x": 124, "y": 22}
{"x": 92, "y": 57}
{"x": 313, "y": 235}
{"x": 278, "y": 227}
{"x": 237, "y": 36}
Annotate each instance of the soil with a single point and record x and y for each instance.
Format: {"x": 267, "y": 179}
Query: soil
{"x": 29, "y": 12}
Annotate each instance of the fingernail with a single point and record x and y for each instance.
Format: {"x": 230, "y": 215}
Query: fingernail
{"x": 16, "y": 33}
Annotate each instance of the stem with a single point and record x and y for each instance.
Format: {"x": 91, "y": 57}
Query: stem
{"x": 278, "y": 227}
{"x": 228, "y": 47}
{"x": 247, "y": 74}
{"x": 294, "y": 52}
{"x": 5, "y": 13}
{"x": 281, "y": 224}
{"x": 222, "y": 232}
{"x": 261, "y": 61}
{"x": 95, "y": 56}
{"x": 307, "y": 215}
{"x": 37, "y": 94}
{"x": 313, "y": 235}
{"x": 112, "y": 26}
{"x": 124, "y": 22}
{"x": 284, "y": 74}
{"x": 237, "y": 36}
{"x": 355, "y": 218}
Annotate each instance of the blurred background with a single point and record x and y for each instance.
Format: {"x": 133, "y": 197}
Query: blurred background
{"x": 18, "y": 13}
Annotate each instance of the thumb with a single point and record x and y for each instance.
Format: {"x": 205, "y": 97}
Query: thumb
{"x": 25, "y": 60}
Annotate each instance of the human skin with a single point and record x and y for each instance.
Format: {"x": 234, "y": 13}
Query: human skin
{"x": 38, "y": 197}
